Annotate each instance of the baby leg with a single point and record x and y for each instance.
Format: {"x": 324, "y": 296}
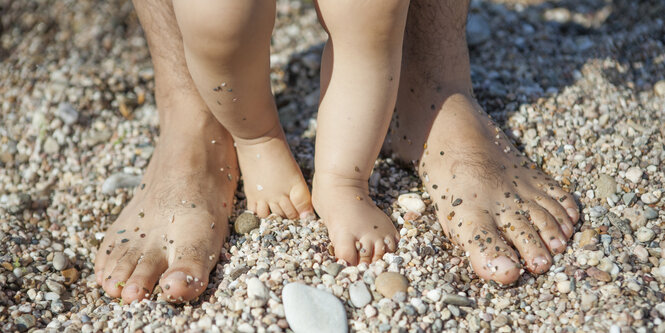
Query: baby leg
{"x": 227, "y": 48}
{"x": 359, "y": 80}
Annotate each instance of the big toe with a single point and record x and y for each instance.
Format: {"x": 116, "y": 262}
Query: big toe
{"x": 181, "y": 284}
{"x": 346, "y": 250}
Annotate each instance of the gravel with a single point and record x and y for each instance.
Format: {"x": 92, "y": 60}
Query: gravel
{"x": 579, "y": 85}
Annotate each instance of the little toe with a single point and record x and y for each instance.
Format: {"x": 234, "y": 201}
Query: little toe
{"x": 527, "y": 242}
{"x": 276, "y": 209}
{"x": 548, "y": 228}
{"x": 490, "y": 256}
{"x": 123, "y": 268}
{"x": 366, "y": 250}
{"x": 145, "y": 276}
{"x": 288, "y": 209}
{"x": 262, "y": 209}
{"x": 346, "y": 250}
{"x": 379, "y": 250}
{"x": 567, "y": 201}
{"x": 559, "y": 213}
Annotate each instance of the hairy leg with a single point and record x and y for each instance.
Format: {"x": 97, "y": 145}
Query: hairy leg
{"x": 489, "y": 198}
{"x": 172, "y": 230}
{"x": 227, "y": 47}
{"x": 360, "y": 74}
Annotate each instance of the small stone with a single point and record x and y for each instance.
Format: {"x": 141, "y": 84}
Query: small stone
{"x": 628, "y": 198}
{"x": 370, "y": 311}
{"x": 70, "y": 275}
{"x": 359, "y": 294}
{"x": 60, "y": 261}
{"x": 51, "y": 146}
{"x": 588, "y": 301}
{"x": 257, "y": 290}
{"x": 120, "y": 180}
{"x": 67, "y": 113}
{"x": 588, "y": 237}
{"x": 308, "y": 309}
{"x": 434, "y": 295}
{"x": 238, "y": 271}
{"x": 634, "y": 174}
{"x": 456, "y": 300}
{"x": 477, "y": 29}
{"x": 659, "y": 88}
{"x": 606, "y": 186}
{"x": 389, "y": 283}
{"x": 644, "y": 234}
{"x": 649, "y": 198}
{"x": 641, "y": 253}
{"x": 598, "y": 274}
{"x": 333, "y": 268}
{"x": 25, "y": 322}
{"x": 55, "y": 287}
{"x": 246, "y": 222}
{"x": 650, "y": 213}
{"x": 411, "y": 202}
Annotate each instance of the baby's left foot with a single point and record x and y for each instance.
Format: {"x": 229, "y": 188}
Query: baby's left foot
{"x": 359, "y": 231}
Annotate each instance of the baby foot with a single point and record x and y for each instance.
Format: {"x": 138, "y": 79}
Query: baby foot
{"x": 273, "y": 182}
{"x": 359, "y": 231}
{"x": 174, "y": 227}
{"x": 488, "y": 197}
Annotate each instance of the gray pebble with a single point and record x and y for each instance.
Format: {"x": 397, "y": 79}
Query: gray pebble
{"x": 120, "y": 180}
{"x": 606, "y": 186}
{"x": 477, "y": 29}
{"x": 333, "y": 268}
{"x": 650, "y": 213}
{"x": 628, "y": 198}
{"x": 67, "y": 113}
{"x": 60, "y": 261}
{"x": 55, "y": 287}
{"x": 51, "y": 146}
{"x": 25, "y": 322}
{"x": 246, "y": 222}
{"x": 359, "y": 294}
{"x": 456, "y": 299}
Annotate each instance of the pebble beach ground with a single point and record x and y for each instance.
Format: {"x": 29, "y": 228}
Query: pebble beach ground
{"x": 579, "y": 86}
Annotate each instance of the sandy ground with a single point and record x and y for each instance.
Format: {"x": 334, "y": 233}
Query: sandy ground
{"x": 579, "y": 85}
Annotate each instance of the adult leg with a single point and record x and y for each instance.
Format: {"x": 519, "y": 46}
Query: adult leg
{"x": 227, "y": 47}
{"x": 360, "y": 74}
{"x": 175, "y": 225}
{"x": 489, "y": 198}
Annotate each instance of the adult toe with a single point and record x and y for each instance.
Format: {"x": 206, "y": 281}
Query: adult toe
{"x": 519, "y": 231}
{"x": 567, "y": 201}
{"x": 123, "y": 268}
{"x": 548, "y": 228}
{"x": 559, "y": 213}
{"x": 145, "y": 276}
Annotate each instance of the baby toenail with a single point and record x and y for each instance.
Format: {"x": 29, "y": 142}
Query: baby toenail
{"x": 555, "y": 244}
{"x": 307, "y": 216}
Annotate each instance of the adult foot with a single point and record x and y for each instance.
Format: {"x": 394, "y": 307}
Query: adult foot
{"x": 174, "y": 227}
{"x": 359, "y": 231}
{"x": 271, "y": 177}
{"x": 488, "y": 197}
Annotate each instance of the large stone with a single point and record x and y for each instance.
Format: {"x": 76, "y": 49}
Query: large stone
{"x": 308, "y": 309}
{"x": 390, "y": 283}
{"x": 606, "y": 186}
{"x": 246, "y": 222}
{"x": 359, "y": 294}
{"x": 120, "y": 180}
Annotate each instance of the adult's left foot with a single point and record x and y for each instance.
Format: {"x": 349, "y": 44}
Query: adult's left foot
{"x": 488, "y": 197}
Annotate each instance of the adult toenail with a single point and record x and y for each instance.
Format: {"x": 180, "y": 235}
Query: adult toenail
{"x": 132, "y": 288}
{"x": 571, "y": 212}
{"x": 566, "y": 229}
{"x": 502, "y": 264}
{"x": 540, "y": 261}
{"x": 555, "y": 244}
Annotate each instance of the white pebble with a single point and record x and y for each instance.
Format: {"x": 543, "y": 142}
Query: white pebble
{"x": 411, "y": 202}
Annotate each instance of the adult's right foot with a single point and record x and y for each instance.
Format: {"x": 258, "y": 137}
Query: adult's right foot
{"x": 174, "y": 227}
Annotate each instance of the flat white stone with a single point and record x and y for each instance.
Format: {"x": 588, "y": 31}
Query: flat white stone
{"x": 308, "y": 309}
{"x": 359, "y": 294}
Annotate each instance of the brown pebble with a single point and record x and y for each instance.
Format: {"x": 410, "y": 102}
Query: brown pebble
{"x": 390, "y": 283}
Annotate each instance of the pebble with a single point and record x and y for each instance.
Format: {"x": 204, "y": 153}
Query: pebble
{"x": 659, "y": 88}
{"x": 70, "y": 275}
{"x": 67, "y": 113}
{"x": 25, "y": 322}
{"x": 118, "y": 181}
{"x": 649, "y": 198}
{"x": 606, "y": 186}
{"x": 650, "y": 213}
{"x": 588, "y": 301}
{"x": 308, "y": 309}
{"x": 256, "y": 289}
{"x": 55, "y": 287}
{"x": 333, "y": 268}
{"x": 51, "y": 146}
{"x": 246, "y": 222}
{"x": 434, "y": 295}
{"x": 370, "y": 311}
{"x": 477, "y": 29}
{"x": 598, "y": 274}
{"x": 389, "y": 283}
{"x": 359, "y": 294}
{"x": 644, "y": 234}
{"x": 456, "y": 300}
{"x": 634, "y": 174}
{"x": 641, "y": 253}
{"x": 629, "y": 198}
{"x": 411, "y": 202}
{"x": 588, "y": 237}
{"x": 60, "y": 261}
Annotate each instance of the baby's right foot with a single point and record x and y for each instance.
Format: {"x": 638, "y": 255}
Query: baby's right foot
{"x": 360, "y": 231}
{"x": 273, "y": 182}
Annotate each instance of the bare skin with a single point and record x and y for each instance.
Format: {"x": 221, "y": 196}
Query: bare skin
{"x": 359, "y": 79}
{"x": 227, "y": 48}
{"x": 172, "y": 230}
{"x": 490, "y": 199}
